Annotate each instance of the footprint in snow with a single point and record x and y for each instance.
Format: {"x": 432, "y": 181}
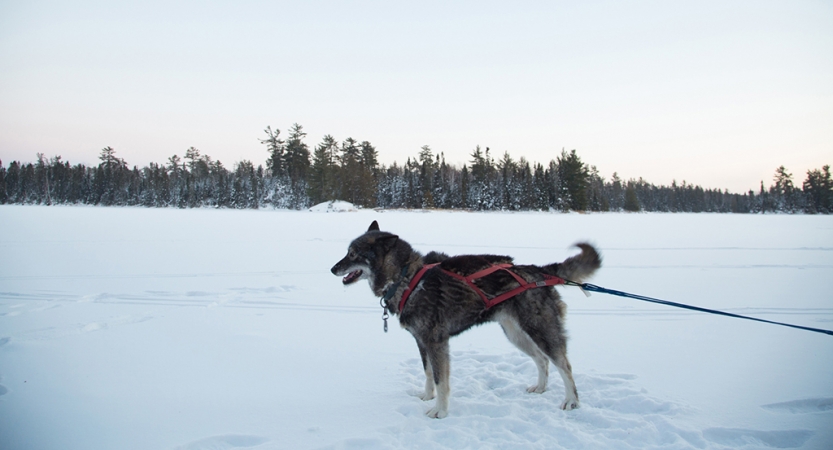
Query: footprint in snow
{"x": 224, "y": 442}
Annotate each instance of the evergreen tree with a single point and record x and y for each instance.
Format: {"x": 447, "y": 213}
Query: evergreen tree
{"x": 192, "y": 155}
{"x": 245, "y": 190}
{"x": 783, "y": 191}
{"x": 426, "y": 176}
{"x": 631, "y": 200}
{"x": 3, "y": 196}
{"x": 595, "y": 191}
{"x": 223, "y": 192}
{"x": 540, "y": 188}
{"x": 766, "y": 203}
{"x": 439, "y": 184}
{"x": 506, "y": 168}
{"x": 42, "y": 180}
{"x": 524, "y": 185}
{"x": 13, "y": 183}
{"x": 275, "y": 147}
{"x": 818, "y": 188}
{"x": 322, "y": 177}
{"x": 368, "y": 165}
{"x": 464, "y": 187}
{"x": 108, "y": 157}
{"x": 574, "y": 176}
{"x": 111, "y": 179}
{"x": 297, "y": 163}
{"x": 481, "y": 190}
{"x": 350, "y": 171}
{"x": 555, "y": 191}
{"x": 616, "y": 195}
{"x": 296, "y": 156}
{"x": 28, "y": 185}
{"x": 177, "y": 188}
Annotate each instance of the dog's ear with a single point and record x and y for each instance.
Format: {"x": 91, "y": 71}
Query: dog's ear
{"x": 374, "y": 226}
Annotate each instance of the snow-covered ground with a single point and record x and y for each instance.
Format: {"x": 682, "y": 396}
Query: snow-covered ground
{"x": 129, "y": 328}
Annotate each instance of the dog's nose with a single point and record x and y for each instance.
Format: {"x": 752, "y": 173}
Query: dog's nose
{"x": 333, "y": 270}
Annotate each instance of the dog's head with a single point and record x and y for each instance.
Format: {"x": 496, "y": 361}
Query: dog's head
{"x": 367, "y": 258}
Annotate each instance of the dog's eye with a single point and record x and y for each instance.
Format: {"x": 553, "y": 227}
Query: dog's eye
{"x": 351, "y": 254}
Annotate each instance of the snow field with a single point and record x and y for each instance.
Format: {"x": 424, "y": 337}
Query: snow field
{"x": 216, "y": 329}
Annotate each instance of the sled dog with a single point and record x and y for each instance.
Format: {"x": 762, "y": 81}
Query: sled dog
{"x": 442, "y": 305}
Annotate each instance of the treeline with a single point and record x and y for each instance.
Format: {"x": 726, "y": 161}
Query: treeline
{"x": 295, "y": 177}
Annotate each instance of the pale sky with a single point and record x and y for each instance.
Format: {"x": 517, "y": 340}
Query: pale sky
{"x": 717, "y": 93}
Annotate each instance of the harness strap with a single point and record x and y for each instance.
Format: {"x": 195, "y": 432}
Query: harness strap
{"x": 549, "y": 280}
{"x": 413, "y": 284}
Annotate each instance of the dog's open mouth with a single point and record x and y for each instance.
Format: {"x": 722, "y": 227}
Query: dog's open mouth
{"x": 352, "y": 277}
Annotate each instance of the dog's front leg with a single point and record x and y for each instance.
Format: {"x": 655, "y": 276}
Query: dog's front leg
{"x": 439, "y": 361}
{"x": 429, "y": 374}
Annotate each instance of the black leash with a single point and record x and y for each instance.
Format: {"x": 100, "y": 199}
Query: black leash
{"x": 594, "y": 288}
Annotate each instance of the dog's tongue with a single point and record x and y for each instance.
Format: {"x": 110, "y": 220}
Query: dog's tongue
{"x": 351, "y": 277}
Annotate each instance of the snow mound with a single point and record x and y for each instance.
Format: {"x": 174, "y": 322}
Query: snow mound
{"x": 334, "y": 206}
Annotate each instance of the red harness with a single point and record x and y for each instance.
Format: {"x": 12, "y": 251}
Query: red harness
{"x": 549, "y": 280}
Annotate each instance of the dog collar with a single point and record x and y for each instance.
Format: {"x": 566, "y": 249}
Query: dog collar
{"x": 389, "y": 293}
{"x": 391, "y": 290}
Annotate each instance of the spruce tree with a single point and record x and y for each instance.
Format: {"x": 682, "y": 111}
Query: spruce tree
{"x": 631, "y": 200}
{"x": 296, "y": 155}
{"x": 464, "y": 187}
{"x": 368, "y": 165}
{"x": 350, "y": 171}
{"x": 783, "y": 190}
{"x": 574, "y": 176}
{"x": 426, "y": 176}
{"x": 322, "y": 182}
{"x": 13, "y": 183}
{"x": 275, "y": 147}
{"x": 818, "y": 188}
{"x": 540, "y": 188}
{"x": 506, "y": 169}
{"x": 3, "y": 198}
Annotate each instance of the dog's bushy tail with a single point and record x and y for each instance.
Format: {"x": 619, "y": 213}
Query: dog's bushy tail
{"x": 579, "y": 267}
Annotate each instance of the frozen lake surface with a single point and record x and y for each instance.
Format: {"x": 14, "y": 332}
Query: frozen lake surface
{"x": 130, "y": 328}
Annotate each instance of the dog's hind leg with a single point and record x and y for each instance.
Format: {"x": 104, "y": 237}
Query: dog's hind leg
{"x": 520, "y": 339}
{"x": 439, "y": 361}
{"x": 566, "y": 371}
{"x": 429, "y": 374}
{"x": 554, "y": 345}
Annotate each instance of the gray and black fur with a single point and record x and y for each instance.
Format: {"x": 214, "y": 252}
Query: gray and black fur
{"x": 442, "y": 306}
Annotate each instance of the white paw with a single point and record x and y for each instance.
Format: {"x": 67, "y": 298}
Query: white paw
{"x": 437, "y": 413}
{"x": 570, "y": 403}
{"x": 425, "y": 396}
{"x": 536, "y": 389}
